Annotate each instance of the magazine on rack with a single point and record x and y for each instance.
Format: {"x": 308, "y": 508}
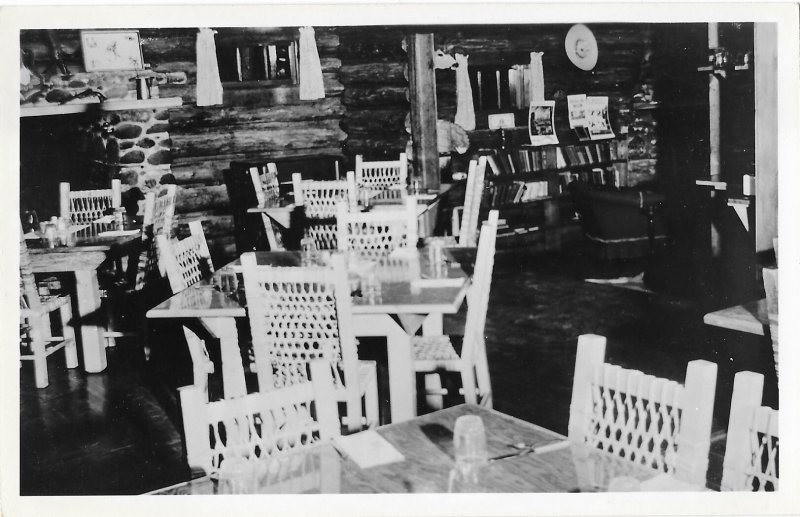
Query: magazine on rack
{"x": 597, "y": 114}
{"x": 541, "y": 123}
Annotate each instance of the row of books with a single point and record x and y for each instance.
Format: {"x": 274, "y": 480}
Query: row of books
{"x": 587, "y": 154}
{"x": 523, "y": 159}
{"x": 517, "y": 192}
{"x": 527, "y": 158}
{"x": 614, "y": 176}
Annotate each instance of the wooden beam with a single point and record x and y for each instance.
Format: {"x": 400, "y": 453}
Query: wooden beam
{"x": 422, "y": 93}
{"x": 766, "y": 92}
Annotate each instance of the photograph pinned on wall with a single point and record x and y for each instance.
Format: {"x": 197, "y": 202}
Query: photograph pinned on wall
{"x": 576, "y": 107}
{"x": 111, "y": 50}
{"x": 597, "y": 117}
{"x": 541, "y": 123}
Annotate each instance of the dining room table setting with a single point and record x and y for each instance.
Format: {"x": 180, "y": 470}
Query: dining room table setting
{"x": 460, "y": 449}
{"x": 85, "y": 250}
{"x": 394, "y": 297}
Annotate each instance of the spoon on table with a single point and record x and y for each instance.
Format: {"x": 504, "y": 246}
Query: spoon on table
{"x": 525, "y": 449}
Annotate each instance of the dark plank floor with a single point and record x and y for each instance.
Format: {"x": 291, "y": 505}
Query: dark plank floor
{"x": 118, "y": 432}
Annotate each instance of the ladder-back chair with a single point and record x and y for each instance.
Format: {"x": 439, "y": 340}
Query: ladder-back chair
{"x": 751, "y": 451}
{"x": 157, "y": 221}
{"x": 298, "y": 314}
{"x": 465, "y": 219}
{"x": 187, "y": 261}
{"x": 319, "y": 200}
{"x": 381, "y": 175}
{"x": 36, "y": 340}
{"x": 433, "y": 353}
{"x": 259, "y": 425}
{"x": 376, "y": 234}
{"x": 651, "y": 421}
{"x": 267, "y": 189}
{"x": 87, "y": 206}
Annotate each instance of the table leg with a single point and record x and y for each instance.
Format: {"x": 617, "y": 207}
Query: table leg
{"x": 232, "y": 369}
{"x": 402, "y": 384}
{"x": 92, "y": 335}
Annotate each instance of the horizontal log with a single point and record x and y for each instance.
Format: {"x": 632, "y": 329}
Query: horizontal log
{"x": 194, "y": 199}
{"x": 258, "y": 138}
{"x": 375, "y": 120}
{"x": 209, "y": 169}
{"x": 244, "y": 94}
{"x": 375, "y": 97}
{"x": 374, "y": 147}
{"x": 215, "y": 223}
{"x": 189, "y": 117}
{"x": 362, "y": 43}
{"x": 385, "y": 72}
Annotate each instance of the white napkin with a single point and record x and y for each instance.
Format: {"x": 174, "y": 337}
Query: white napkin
{"x": 452, "y": 281}
{"x": 667, "y": 483}
{"x": 368, "y": 449}
{"x": 106, "y": 219}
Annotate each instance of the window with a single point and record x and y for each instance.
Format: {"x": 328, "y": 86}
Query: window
{"x": 265, "y": 63}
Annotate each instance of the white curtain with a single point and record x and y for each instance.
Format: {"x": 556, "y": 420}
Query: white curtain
{"x": 465, "y": 111}
{"x": 209, "y": 87}
{"x": 537, "y": 77}
{"x": 311, "y": 85}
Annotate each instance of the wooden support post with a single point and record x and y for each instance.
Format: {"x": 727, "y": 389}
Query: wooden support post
{"x": 422, "y": 94}
{"x": 766, "y": 91}
{"x": 714, "y": 131}
{"x": 591, "y": 354}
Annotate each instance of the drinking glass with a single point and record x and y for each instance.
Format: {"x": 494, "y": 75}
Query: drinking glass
{"x": 308, "y": 249}
{"x": 469, "y": 437}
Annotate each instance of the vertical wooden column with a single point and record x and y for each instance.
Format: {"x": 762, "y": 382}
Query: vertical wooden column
{"x": 766, "y": 91}
{"x": 714, "y": 132}
{"x": 422, "y": 94}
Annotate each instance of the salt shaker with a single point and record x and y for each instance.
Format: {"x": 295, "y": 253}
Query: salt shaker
{"x": 119, "y": 218}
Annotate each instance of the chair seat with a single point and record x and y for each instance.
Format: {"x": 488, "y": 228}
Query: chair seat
{"x": 431, "y": 352}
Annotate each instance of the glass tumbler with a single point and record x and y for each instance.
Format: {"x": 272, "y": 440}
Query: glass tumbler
{"x": 469, "y": 437}
{"x": 308, "y": 249}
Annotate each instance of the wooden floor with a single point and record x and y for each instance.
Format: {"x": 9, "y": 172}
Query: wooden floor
{"x": 117, "y": 432}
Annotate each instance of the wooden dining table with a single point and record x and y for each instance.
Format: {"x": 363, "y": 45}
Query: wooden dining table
{"x": 427, "y": 464}
{"x": 86, "y": 253}
{"x": 411, "y": 295}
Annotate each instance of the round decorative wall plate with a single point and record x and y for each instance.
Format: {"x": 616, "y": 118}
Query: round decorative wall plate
{"x": 581, "y": 47}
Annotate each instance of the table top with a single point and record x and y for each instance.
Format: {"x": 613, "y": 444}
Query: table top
{"x": 87, "y": 251}
{"x": 426, "y": 445}
{"x": 749, "y": 317}
{"x": 408, "y": 285}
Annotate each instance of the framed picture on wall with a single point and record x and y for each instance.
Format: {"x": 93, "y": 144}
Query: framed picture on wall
{"x": 109, "y": 50}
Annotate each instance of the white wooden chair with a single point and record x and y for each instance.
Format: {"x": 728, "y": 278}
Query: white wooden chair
{"x": 267, "y": 189}
{"x": 433, "y": 353}
{"x": 87, "y": 206}
{"x": 465, "y": 218}
{"x": 159, "y": 212}
{"x": 319, "y": 200}
{"x": 259, "y": 425}
{"x": 376, "y": 234}
{"x": 187, "y": 261}
{"x": 298, "y": 314}
{"x": 751, "y": 451}
{"x": 381, "y": 175}
{"x": 36, "y": 340}
{"x": 158, "y": 220}
{"x": 650, "y": 421}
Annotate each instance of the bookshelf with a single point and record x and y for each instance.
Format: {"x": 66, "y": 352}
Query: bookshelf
{"x": 528, "y": 185}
